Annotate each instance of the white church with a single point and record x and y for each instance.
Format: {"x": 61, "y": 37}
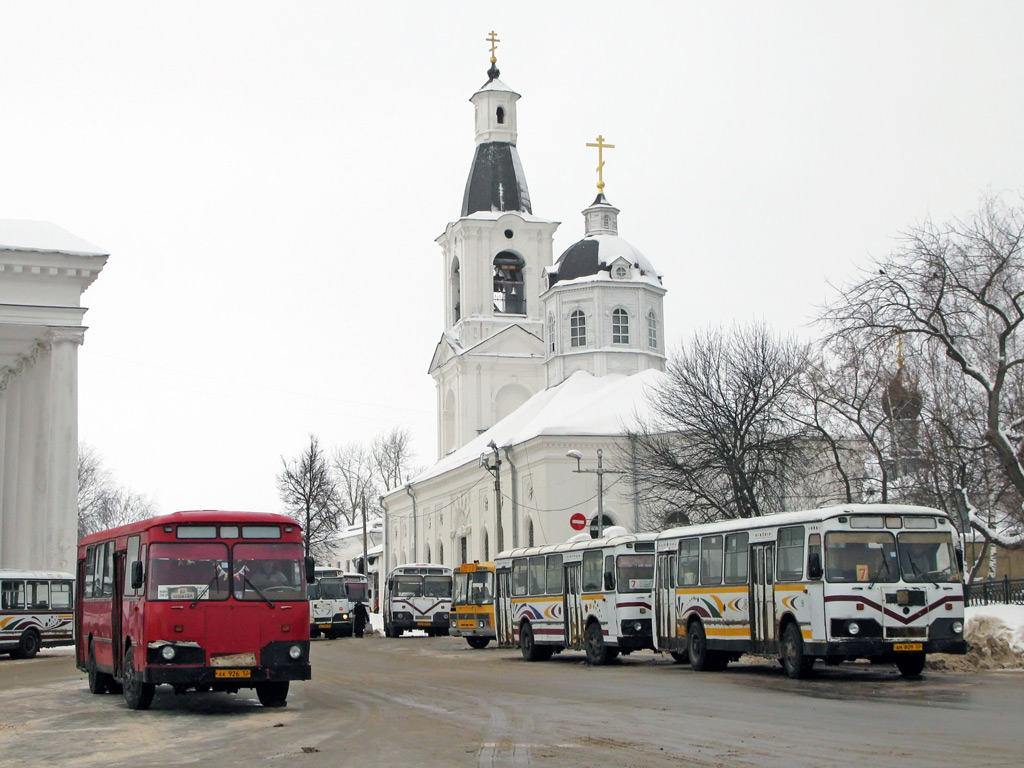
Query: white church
{"x": 537, "y": 358}
{"x": 43, "y": 272}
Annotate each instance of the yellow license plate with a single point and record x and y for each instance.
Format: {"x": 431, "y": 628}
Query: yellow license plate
{"x": 232, "y": 673}
{"x": 908, "y": 647}
{"x": 324, "y": 626}
{"x": 422, "y": 623}
{"x": 467, "y": 624}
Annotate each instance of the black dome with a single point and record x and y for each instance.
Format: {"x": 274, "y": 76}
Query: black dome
{"x": 496, "y": 180}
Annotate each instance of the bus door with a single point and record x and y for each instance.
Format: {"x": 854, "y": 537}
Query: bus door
{"x": 116, "y": 603}
{"x": 503, "y": 607}
{"x": 665, "y": 601}
{"x": 762, "y": 597}
{"x": 572, "y": 603}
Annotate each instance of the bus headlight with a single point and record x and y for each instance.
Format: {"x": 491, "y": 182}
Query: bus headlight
{"x": 167, "y": 652}
{"x": 638, "y": 626}
{"x": 295, "y": 652}
{"x": 480, "y": 624}
{"x": 958, "y": 627}
{"x": 853, "y": 627}
{"x": 344, "y": 617}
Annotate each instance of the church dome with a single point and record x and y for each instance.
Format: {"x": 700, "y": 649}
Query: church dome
{"x": 601, "y": 248}
{"x": 901, "y": 399}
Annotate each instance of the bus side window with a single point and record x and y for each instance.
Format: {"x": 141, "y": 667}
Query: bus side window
{"x": 131, "y": 557}
{"x": 90, "y": 570}
{"x": 609, "y": 573}
{"x": 592, "y": 567}
{"x": 60, "y": 595}
{"x": 520, "y": 577}
{"x": 554, "y": 575}
{"x": 39, "y": 594}
{"x": 538, "y": 575}
{"x": 736, "y": 560}
{"x": 671, "y": 571}
{"x": 689, "y": 562}
{"x": 12, "y": 593}
{"x": 711, "y": 560}
{"x": 814, "y": 569}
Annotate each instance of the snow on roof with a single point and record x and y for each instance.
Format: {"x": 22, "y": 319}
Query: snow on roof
{"x": 583, "y": 404}
{"x": 495, "y": 85}
{"x": 44, "y": 237}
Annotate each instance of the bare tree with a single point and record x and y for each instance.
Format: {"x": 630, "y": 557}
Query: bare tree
{"x": 392, "y": 457}
{"x": 102, "y": 503}
{"x": 309, "y": 492}
{"x": 355, "y": 470}
{"x": 719, "y": 443}
{"x": 957, "y": 291}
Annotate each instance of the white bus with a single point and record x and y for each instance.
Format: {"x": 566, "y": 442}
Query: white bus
{"x": 873, "y": 581}
{"x": 332, "y": 595}
{"x": 418, "y": 596}
{"x": 36, "y": 611}
{"x": 591, "y": 594}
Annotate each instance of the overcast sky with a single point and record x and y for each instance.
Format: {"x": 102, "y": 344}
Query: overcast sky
{"x": 269, "y": 179}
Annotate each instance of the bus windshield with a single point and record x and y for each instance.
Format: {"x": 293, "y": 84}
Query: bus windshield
{"x": 474, "y": 588}
{"x": 634, "y": 573}
{"x": 928, "y": 557}
{"x": 408, "y": 586}
{"x": 852, "y": 556}
{"x": 332, "y": 588}
{"x": 437, "y": 586}
{"x": 273, "y": 569}
{"x": 188, "y": 571}
{"x": 356, "y": 591}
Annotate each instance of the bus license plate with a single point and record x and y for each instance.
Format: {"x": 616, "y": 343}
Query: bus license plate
{"x": 422, "y": 623}
{"x": 232, "y": 673}
{"x": 324, "y": 626}
{"x": 908, "y": 647}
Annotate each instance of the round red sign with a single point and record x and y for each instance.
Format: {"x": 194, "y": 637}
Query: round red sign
{"x": 578, "y": 521}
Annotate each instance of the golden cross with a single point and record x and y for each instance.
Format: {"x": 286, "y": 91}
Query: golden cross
{"x": 493, "y": 40}
{"x": 601, "y": 146}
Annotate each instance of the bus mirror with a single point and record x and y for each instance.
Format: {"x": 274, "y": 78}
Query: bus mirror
{"x": 609, "y": 580}
{"x": 137, "y": 575}
{"x": 310, "y": 569}
{"x": 814, "y": 566}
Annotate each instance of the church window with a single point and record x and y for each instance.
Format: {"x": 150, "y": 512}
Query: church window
{"x": 620, "y": 327}
{"x": 456, "y": 291}
{"x": 501, "y": 115}
{"x": 487, "y": 546}
{"x": 428, "y": 553}
{"x": 509, "y": 296}
{"x": 530, "y": 542}
{"x": 652, "y": 330}
{"x": 605, "y": 221}
{"x": 578, "y": 328}
{"x": 551, "y": 332}
{"x": 464, "y": 549}
{"x": 440, "y": 553}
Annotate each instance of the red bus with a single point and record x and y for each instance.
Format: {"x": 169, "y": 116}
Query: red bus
{"x": 197, "y": 600}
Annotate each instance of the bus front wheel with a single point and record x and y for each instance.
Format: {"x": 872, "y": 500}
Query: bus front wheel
{"x": 598, "y": 652}
{"x": 478, "y": 642}
{"x": 137, "y": 694}
{"x": 528, "y": 645}
{"x": 910, "y": 664}
{"x": 273, "y": 694}
{"x": 796, "y": 664}
{"x": 99, "y": 682}
{"x": 702, "y": 659}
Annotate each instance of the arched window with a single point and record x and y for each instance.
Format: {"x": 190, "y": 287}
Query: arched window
{"x": 578, "y": 328}
{"x": 594, "y": 529}
{"x": 456, "y": 289}
{"x": 529, "y": 535}
{"x": 487, "y": 546}
{"x": 620, "y": 327}
{"x": 551, "y": 331}
{"x": 501, "y": 115}
{"x": 440, "y": 553}
{"x": 428, "y": 560}
{"x": 509, "y": 297}
{"x": 652, "y": 330}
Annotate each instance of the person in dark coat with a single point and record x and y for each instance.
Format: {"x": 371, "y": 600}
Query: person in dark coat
{"x": 360, "y": 618}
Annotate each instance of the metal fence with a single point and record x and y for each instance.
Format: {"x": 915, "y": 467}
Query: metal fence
{"x": 1007, "y": 591}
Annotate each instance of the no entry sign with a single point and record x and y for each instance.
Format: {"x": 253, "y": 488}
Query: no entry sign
{"x": 578, "y": 521}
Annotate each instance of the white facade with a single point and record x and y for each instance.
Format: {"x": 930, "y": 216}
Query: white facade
{"x": 43, "y": 272}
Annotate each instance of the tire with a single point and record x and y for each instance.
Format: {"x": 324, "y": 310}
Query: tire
{"x": 531, "y": 651}
{"x": 697, "y": 648}
{"x": 598, "y": 652}
{"x": 273, "y": 694}
{"x": 137, "y": 694}
{"x": 910, "y": 664}
{"x": 99, "y": 682}
{"x": 680, "y": 657}
{"x": 794, "y": 662}
{"x": 314, "y": 632}
{"x": 28, "y": 645}
{"x": 478, "y": 642}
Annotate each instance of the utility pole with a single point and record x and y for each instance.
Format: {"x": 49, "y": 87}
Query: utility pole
{"x": 600, "y": 472}
{"x": 495, "y": 469}
{"x": 366, "y": 566}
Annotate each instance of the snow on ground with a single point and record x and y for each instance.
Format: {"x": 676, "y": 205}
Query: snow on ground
{"x": 995, "y": 640}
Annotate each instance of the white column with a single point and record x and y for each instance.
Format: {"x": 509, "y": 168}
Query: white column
{"x": 12, "y": 452}
{"x": 32, "y": 510}
{"x": 61, "y": 533}
{"x": 3, "y": 451}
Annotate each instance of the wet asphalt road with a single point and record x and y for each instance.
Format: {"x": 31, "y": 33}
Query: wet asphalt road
{"x": 426, "y": 702}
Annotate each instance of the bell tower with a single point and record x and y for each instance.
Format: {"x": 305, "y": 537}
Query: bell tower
{"x": 490, "y": 358}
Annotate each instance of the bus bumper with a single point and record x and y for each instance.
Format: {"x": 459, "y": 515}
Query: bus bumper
{"x": 191, "y": 669}
{"x": 876, "y": 647}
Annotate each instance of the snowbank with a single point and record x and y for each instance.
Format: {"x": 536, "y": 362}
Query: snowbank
{"x": 995, "y": 640}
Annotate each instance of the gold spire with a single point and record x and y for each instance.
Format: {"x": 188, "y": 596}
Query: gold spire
{"x": 493, "y": 40}
{"x": 601, "y": 146}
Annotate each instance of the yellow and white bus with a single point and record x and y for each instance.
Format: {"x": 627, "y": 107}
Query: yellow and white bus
{"x": 472, "y": 615}
{"x": 36, "y": 611}
{"x": 418, "y": 596}
{"x": 588, "y": 594}
{"x": 874, "y": 581}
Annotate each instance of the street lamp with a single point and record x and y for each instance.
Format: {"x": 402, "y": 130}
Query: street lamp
{"x": 495, "y": 469}
{"x": 600, "y": 472}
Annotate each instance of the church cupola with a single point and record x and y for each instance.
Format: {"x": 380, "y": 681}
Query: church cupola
{"x": 496, "y": 179}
